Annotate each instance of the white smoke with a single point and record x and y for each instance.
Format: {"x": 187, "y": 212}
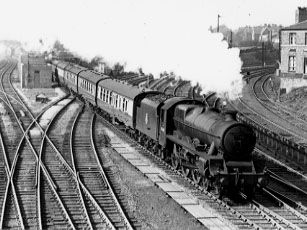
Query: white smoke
{"x": 156, "y": 35}
{"x": 4, "y": 51}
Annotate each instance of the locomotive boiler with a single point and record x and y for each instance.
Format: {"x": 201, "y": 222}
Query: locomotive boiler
{"x": 220, "y": 131}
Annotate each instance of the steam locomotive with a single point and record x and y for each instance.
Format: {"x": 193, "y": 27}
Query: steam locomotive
{"x": 210, "y": 147}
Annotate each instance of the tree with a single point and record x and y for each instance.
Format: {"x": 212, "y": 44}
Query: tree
{"x": 95, "y": 61}
{"x": 117, "y": 69}
{"x": 58, "y": 46}
{"x": 141, "y": 71}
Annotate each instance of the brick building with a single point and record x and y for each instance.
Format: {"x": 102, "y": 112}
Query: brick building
{"x": 293, "y": 52}
{"x": 34, "y": 72}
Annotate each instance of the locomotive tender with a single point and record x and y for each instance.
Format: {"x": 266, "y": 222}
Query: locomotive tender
{"x": 210, "y": 147}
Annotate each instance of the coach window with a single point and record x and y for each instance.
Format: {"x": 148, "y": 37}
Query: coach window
{"x": 100, "y": 93}
{"x": 126, "y": 106}
{"x": 110, "y": 98}
{"x": 123, "y": 105}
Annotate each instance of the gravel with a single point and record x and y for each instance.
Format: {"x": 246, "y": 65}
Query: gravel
{"x": 29, "y": 96}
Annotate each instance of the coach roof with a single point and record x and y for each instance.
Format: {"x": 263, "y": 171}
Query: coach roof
{"x": 75, "y": 69}
{"x": 92, "y": 76}
{"x": 62, "y": 65}
{"x": 121, "y": 88}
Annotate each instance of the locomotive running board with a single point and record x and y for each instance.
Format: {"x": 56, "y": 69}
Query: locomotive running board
{"x": 192, "y": 151}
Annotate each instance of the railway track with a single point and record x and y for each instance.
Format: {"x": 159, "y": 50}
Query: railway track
{"x": 280, "y": 139}
{"x": 256, "y": 102}
{"x": 20, "y": 167}
{"x": 48, "y": 202}
{"x": 99, "y": 181}
{"x": 87, "y": 188}
{"x": 22, "y": 208}
{"x": 300, "y": 130}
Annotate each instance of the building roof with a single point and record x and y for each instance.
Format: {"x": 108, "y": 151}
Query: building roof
{"x": 33, "y": 60}
{"x": 298, "y": 26}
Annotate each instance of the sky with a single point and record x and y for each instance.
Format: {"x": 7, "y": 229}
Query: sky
{"x": 155, "y": 35}
{"x": 33, "y": 19}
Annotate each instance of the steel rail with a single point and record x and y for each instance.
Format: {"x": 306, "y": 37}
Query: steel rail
{"x": 281, "y": 107}
{"x": 52, "y": 185}
{"x": 94, "y": 202}
{"x": 87, "y": 193}
{"x": 54, "y": 192}
{"x": 258, "y": 209}
{"x": 26, "y": 137}
{"x": 267, "y": 120}
{"x": 74, "y": 166}
{"x": 10, "y": 179}
{"x": 52, "y": 145}
{"x": 266, "y": 106}
{"x": 275, "y": 215}
{"x": 49, "y": 178}
{"x": 286, "y": 206}
{"x": 119, "y": 207}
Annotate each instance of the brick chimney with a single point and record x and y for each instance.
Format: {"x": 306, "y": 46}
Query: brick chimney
{"x": 300, "y": 14}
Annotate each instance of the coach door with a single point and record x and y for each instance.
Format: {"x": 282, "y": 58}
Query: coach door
{"x": 162, "y": 132}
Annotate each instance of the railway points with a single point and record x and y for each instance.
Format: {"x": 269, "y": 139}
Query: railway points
{"x": 62, "y": 172}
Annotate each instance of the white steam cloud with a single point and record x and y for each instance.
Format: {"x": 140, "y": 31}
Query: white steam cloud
{"x": 156, "y": 35}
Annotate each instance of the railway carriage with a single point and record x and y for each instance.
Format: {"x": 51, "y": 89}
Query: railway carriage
{"x": 60, "y": 66}
{"x": 71, "y": 75}
{"x": 87, "y": 83}
{"x": 118, "y": 98}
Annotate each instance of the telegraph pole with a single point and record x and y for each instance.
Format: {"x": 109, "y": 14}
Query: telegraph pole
{"x": 263, "y": 54}
{"x": 230, "y": 40}
{"x": 218, "y": 23}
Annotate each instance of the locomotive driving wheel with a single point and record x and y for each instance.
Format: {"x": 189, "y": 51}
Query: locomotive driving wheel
{"x": 184, "y": 170}
{"x": 161, "y": 154}
{"x": 197, "y": 177}
{"x": 201, "y": 180}
{"x": 175, "y": 162}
